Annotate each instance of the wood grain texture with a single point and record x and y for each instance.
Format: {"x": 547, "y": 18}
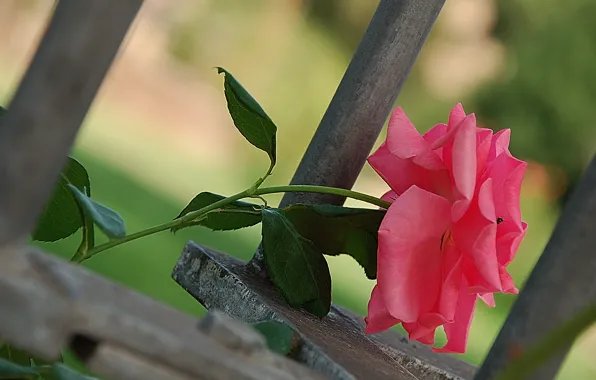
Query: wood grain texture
{"x": 49, "y": 305}
{"x": 51, "y": 102}
{"x": 364, "y": 97}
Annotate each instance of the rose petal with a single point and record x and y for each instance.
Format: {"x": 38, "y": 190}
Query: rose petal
{"x": 457, "y": 115}
{"x": 457, "y": 332}
{"x": 488, "y": 298}
{"x": 401, "y": 174}
{"x": 484, "y": 257}
{"x": 378, "y": 318}
{"x": 435, "y": 133}
{"x": 409, "y": 269}
{"x": 507, "y": 173}
{"x": 421, "y": 333}
{"x": 464, "y": 164}
{"x": 483, "y": 145}
{"x": 507, "y": 281}
{"x": 404, "y": 141}
{"x": 499, "y": 143}
{"x": 508, "y": 241}
{"x": 452, "y": 278}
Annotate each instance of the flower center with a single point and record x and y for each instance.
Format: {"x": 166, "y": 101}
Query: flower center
{"x": 447, "y": 238}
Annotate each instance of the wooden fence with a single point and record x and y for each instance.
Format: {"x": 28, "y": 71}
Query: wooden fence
{"x": 47, "y": 305}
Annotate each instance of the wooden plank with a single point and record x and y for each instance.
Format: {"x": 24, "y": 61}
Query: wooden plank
{"x": 49, "y": 305}
{"x": 51, "y": 102}
{"x": 364, "y": 97}
{"x": 334, "y": 345}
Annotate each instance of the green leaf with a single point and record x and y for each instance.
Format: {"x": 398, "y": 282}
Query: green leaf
{"x": 2, "y": 111}
{"x": 232, "y": 216}
{"x": 12, "y": 371}
{"x": 108, "y": 220}
{"x": 295, "y": 265}
{"x": 62, "y": 372}
{"x": 335, "y": 230}
{"x": 280, "y": 337}
{"x": 61, "y": 216}
{"x": 248, "y": 116}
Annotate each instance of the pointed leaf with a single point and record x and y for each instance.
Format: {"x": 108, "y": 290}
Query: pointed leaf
{"x": 248, "y": 116}
{"x": 61, "y": 216}
{"x": 280, "y": 337}
{"x": 335, "y": 230}
{"x": 295, "y": 265}
{"x": 108, "y": 220}
{"x": 2, "y": 111}
{"x": 232, "y": 216}
{"x": 10, "y": 370}
{"x": 62, "y": 372}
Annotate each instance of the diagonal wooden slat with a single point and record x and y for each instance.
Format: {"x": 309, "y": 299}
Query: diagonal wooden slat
{"x": 562, "y": 284}
{"x": 51, "y": 102}
{"x": 363, "y": 100}
{"x": 364, "y": 97}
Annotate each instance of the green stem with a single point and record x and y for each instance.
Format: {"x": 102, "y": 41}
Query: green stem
{"x": 260, "y": 181}
{"x": 562, "y": 337}
{"x": 165, "y": 226}
{"x": 324, "y": 190}
{"x": 245, "y": 194}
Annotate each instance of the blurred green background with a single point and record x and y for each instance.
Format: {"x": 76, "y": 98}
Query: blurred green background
{"x": 159, "y": 132}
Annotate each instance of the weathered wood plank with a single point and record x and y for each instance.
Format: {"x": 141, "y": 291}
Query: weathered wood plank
{"x": 49, "y": 305}
{"x": 334, "y": 345}
{"x": 364, "y": 97}
{"x": 51, "y": 102}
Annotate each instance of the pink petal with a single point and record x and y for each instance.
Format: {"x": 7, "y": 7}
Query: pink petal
{"x": 484, "y": 256}
{"x": 421, "y": 333}
{"x": 464, "y": 164}
{"x": 476, "y": 235}
{"x": 486, "y": 201}
{"x": 457, "y": 332}
{"x": 435, "y": 133}
{"x": 457, "y": 115}
{"x": 401, "y": 174}
{"x": 404, "y": 141}
{"x": 508, "y": 241}
{"x": 500, "y": 143}
{"x": 507, "y": 281}
{"x": 452, "y": 278}
{"x": 483, "y": 145}
{"x": 409, "y": 272}
{"x": 378, "y": 318}
{"x": 507, "y": 173}
{"x": 488, "y": 298}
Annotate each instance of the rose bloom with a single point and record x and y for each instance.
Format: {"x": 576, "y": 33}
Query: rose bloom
{"x": 452, "y": 228}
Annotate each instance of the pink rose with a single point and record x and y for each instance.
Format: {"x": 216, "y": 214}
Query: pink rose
{"x": 453, "y": 227}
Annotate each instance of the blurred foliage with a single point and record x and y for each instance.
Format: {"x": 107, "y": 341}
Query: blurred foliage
{"x": 548, "y": 88}
{"x": 344, "y": 20}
